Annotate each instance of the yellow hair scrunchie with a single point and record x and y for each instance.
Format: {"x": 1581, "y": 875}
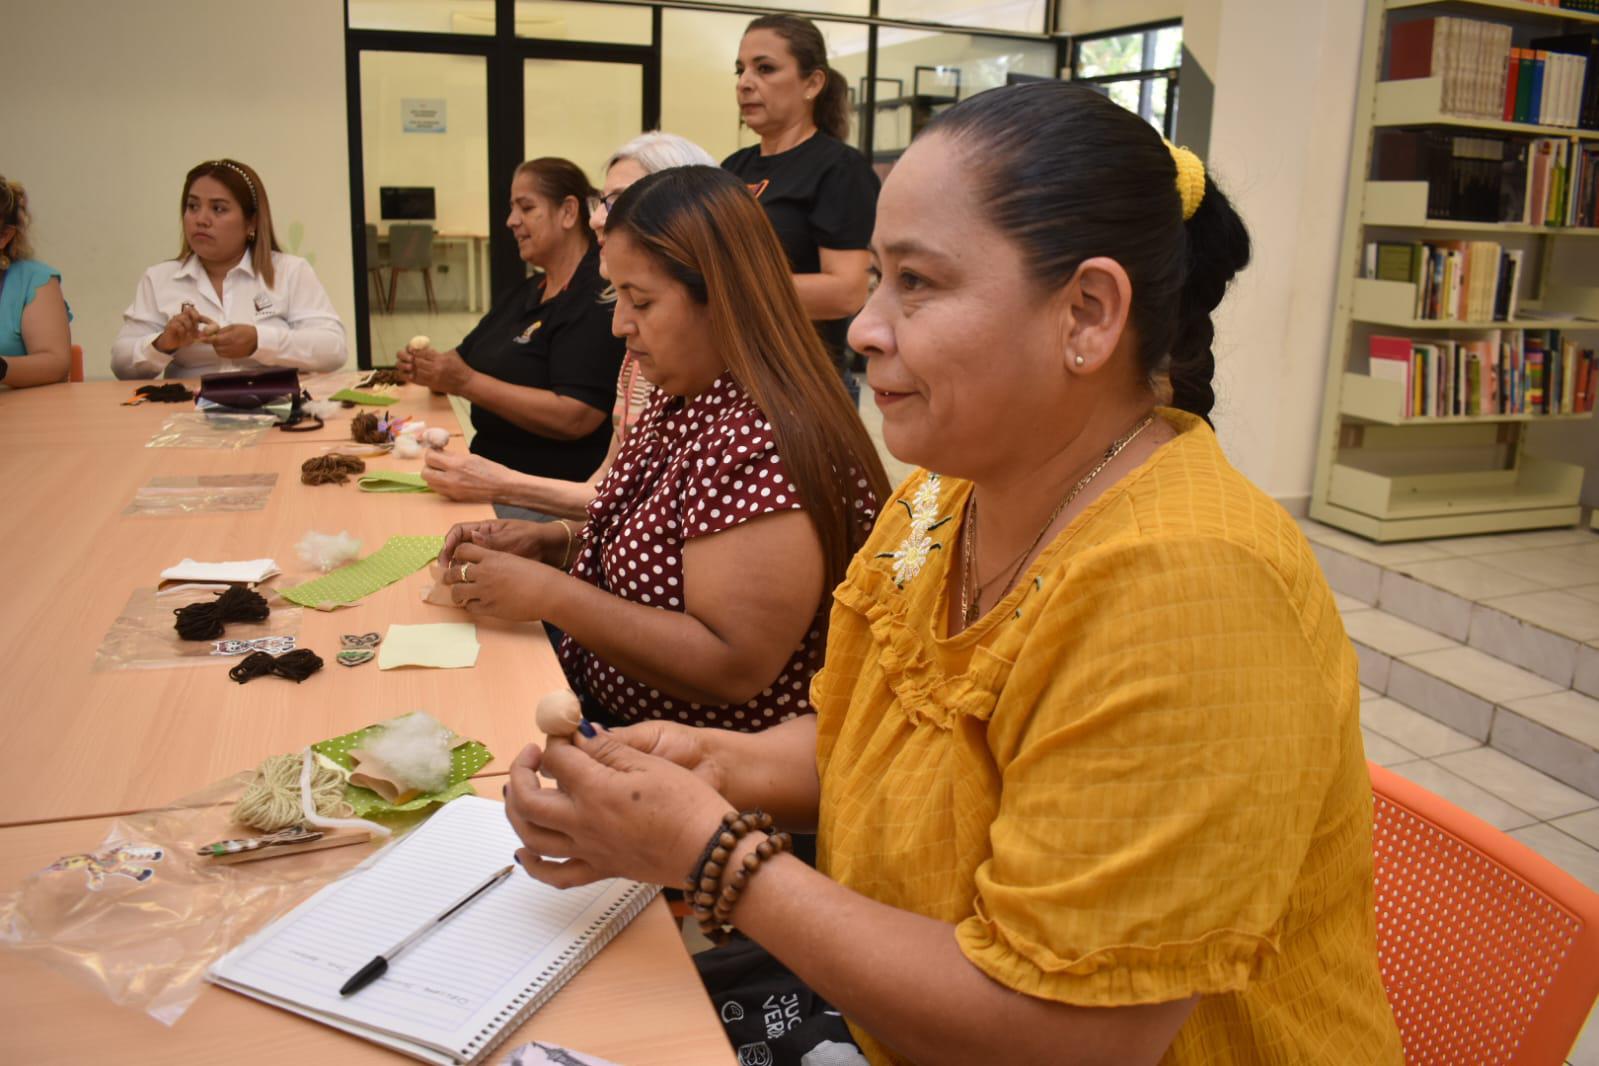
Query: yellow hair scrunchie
{"x": 1190, "y": 178}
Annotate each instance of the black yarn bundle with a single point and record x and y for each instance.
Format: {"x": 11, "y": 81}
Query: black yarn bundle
{"x": 206, "y": 620}
{"x": 295, "y": 665}
{"x": 172, "y": 392}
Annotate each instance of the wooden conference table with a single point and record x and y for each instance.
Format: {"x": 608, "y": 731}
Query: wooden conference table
{"x": 78, "y": 745}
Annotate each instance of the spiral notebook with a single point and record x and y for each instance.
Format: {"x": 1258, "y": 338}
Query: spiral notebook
{"x": 457, "y": 993}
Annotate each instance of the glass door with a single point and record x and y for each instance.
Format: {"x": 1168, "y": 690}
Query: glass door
{"x": 424, "y": 155}
{"x": 445, "y": 98}
{"x": 580, "y": 110}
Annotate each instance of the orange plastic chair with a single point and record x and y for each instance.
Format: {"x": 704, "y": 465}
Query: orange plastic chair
{"x": 75, "y": 371}
{"x": 1489, "y": 952}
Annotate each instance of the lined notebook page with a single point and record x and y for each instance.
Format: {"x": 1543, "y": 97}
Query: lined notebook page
{"x": 447, "y": 989}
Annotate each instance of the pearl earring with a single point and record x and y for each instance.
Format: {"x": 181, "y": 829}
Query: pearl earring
{"x": 1079, "y": 360}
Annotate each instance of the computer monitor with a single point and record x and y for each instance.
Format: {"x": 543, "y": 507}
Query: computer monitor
{"x": 1013, "y": 77}
{"x": 406, "y": 203}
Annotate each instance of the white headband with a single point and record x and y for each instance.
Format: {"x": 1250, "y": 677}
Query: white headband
{"x": 254, "y": 199}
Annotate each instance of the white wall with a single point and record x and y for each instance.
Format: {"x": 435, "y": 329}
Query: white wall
{"x": 698, "y": 51}
{"x": 456, "y": 162}
{"x": 114, "y": 120}
{"x": 1279, "y": 144}
{"x": 1096, "y": 16}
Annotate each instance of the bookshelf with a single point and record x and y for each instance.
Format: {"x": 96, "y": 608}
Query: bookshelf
{"x": 1520, "y": 9}
{"x": 1392, "y": 478}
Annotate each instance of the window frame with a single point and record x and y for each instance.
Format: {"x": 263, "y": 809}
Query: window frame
{"x": 1144, "y": 78}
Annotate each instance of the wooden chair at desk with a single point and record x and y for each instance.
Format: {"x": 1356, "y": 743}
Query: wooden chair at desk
{"x": 374, "y": 267}
{"x": 411, "y": 248}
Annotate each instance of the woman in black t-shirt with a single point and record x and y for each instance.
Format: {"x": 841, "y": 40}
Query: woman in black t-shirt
{"x": 819, "y": 193}
{"x": 540, "y": 369}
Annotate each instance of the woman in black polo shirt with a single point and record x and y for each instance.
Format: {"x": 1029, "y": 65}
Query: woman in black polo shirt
{"x": 540, "y": 369}
{"x": 819, "y": 193}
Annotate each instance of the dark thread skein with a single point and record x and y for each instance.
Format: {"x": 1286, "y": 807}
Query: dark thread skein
{"x": 295, "y": 665}
{"x": 205, "y": 620}
{"x": 172, "y": 392}
{"x": 364, "y": 429}
{"x": 330, "y": 469}
{"x": 383, "y": 375}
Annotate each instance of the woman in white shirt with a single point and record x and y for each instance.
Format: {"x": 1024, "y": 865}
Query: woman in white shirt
{"x": 230, "y": 300}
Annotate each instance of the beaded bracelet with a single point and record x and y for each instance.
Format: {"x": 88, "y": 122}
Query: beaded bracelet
{"x": 705, "y": 879}
{"x": 774, "y": 844}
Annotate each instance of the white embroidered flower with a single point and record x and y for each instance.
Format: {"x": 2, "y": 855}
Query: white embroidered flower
{"x": 912, "y": 556}
{"x": 918, "y": 545}
{"x": 924, "y": 505}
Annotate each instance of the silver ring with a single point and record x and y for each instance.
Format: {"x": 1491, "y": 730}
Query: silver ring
{"x": 464, "y": 568}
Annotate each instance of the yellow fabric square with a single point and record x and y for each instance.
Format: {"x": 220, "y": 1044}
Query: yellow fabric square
{"x": 444, "y": 645}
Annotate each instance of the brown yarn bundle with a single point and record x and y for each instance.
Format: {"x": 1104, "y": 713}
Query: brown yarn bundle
{"x": 296, "y": 665}
{"x": 205, "y": 620}
{"x": 386, "y": 375}
{"x": 330, "y": 469}
{"x": 364, "y": 428}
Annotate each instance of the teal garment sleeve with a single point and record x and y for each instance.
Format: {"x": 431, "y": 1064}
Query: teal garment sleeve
{"x": 22, "y": 280}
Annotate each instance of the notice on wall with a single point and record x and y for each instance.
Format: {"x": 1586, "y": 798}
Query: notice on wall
{"x": 422, "y": 115}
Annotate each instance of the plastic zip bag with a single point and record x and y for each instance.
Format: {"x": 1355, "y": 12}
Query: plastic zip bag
{"x": 194, "y": 494}
{"x": 223, "y": 432}
{"x": 143, "y": 635}
{"x": 142, "y": 917}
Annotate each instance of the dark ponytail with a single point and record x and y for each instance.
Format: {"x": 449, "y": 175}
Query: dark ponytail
{"x": 1069, "y": 175}
{"x": 1218, "y": 248}
{"x": 809, "y": 49}
{"x": 832, "y": 107}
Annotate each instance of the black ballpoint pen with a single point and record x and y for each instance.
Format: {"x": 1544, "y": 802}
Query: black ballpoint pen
{"x": 380, "y": 965}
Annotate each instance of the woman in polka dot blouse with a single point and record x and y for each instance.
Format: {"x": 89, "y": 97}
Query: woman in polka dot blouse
{"x": 697, "y": 591}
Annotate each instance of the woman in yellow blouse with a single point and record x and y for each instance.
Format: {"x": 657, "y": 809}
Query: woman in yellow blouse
{"x": 1088, "y": 728}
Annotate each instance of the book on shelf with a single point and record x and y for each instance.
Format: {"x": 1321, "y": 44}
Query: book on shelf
{"x": 1457, "y": 51}
{"x": 1485, "y": 76}
{"x": 1503, "y": 372}
{"x": 1542, "y": 181}
{"x": 1581, "y": 52}
{"x": 1469, "y": 281}
{"x": 1470, "y": 177}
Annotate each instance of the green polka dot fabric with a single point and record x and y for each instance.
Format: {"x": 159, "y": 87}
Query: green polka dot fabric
{"x": 400, "y": 557}
{"x": 465, "y": 761}
{"x": 372, "y": 399}
{"x": 392, "y": 481}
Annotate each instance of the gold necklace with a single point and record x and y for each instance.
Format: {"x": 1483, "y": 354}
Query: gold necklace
{"x": 971, "y": 605}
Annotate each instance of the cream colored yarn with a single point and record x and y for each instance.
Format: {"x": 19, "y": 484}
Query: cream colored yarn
{"x": 1190, "y": 178}
{"x": 272, "y": 801}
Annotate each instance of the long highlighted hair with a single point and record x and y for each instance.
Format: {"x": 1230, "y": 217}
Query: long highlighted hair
{"x": 709, "y": 234}
{"x": 249, "y": 191}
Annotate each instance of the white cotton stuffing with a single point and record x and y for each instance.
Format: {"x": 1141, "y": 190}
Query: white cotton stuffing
{"x": 328, "y": 550}
{"x": 416, "y": 747}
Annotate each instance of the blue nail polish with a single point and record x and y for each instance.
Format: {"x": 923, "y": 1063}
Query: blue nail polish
{"x": 586, "y": 727}
{"x": 516, "y": 859}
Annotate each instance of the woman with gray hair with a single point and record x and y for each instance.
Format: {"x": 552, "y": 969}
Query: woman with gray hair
{"x": 645, "y": 154}
{"x": 471, "y": 477}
